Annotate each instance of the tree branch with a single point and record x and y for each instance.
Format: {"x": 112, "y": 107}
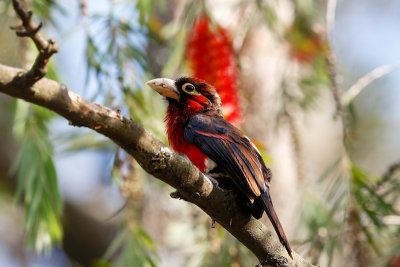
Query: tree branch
{"x": 46, "y": 48}
{"x": 157, "y": 159}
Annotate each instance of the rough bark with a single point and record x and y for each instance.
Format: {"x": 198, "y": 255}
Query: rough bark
{"x": 157, "y": 159}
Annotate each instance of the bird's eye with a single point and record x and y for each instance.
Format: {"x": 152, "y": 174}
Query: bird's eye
{"x": 189, "y": 89}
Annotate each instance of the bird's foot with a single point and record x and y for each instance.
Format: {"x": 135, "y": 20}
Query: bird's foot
{"x": 221, "y": 180}
{"x": 217, "y": 176}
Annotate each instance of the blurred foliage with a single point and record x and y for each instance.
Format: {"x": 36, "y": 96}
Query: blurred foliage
{"x": 73, "y": 142}
{"x": 37, "y": 180}
{"x": 226, "y": 251}
{"x": 353, "y": 212}
{"x": 43, "y": 9}
{"x": 350, "y": 221}
{"x": 132, "y": 246}
{"x": 116, "y": 54}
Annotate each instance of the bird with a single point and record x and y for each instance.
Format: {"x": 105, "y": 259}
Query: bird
{"x": 196, "y": 127}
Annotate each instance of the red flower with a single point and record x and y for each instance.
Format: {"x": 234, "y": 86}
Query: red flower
{"x": 211, "y": 58}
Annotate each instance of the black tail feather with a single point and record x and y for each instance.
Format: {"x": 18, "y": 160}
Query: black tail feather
{"x": 269, "y": 209}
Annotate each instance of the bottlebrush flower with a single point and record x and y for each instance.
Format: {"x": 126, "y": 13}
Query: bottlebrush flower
{"x": 210, "y": 55}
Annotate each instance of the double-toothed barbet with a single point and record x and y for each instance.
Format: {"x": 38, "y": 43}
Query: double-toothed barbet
{"x": 197, "y": 128}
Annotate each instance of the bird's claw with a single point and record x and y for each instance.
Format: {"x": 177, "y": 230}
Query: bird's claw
{"x": 221, "y": 180}
{"x": 217, "y": 176}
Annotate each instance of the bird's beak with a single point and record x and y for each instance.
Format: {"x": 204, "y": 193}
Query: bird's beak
{"x": 165, "y": 87}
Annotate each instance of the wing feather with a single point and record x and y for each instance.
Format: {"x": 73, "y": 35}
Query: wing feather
{"x": 230, "y": 150}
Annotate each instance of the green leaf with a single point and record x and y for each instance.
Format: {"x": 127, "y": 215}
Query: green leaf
{"x": 37, "y": 186}
{"x": 130, "y": 246}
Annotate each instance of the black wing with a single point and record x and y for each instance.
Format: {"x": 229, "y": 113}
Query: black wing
{"x": 237, "y": 156}
{"x": 231, "y": 151}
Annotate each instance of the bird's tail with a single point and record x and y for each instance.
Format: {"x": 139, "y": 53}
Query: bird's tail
{"x": 269, "y": 209}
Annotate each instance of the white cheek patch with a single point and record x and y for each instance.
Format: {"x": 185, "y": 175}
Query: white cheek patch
{"x": 210, "y": 164}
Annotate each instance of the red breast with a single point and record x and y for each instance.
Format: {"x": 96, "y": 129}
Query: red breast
{"x": 176, "y": 119}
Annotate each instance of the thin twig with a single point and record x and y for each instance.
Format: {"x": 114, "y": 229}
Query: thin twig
{"x": 46, "y": 48}
{"x": 364, "y": 81}
{"x": 387, "y": 176}
{"x": 331, "y": 64}
{"x": 392, "y": 169}
{"x": 330, "y": 16}
{"x": 330, "y": 59}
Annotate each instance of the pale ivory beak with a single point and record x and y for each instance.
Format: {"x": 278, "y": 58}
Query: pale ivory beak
{"x": 165, "y": 87}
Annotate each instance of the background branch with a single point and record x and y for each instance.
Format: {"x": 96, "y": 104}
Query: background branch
{"x": 157, "y": 159}
{"x": 46, "y": 48}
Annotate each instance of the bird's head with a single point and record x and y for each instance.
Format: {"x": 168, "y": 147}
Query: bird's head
{"x": 186, "y": 94}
